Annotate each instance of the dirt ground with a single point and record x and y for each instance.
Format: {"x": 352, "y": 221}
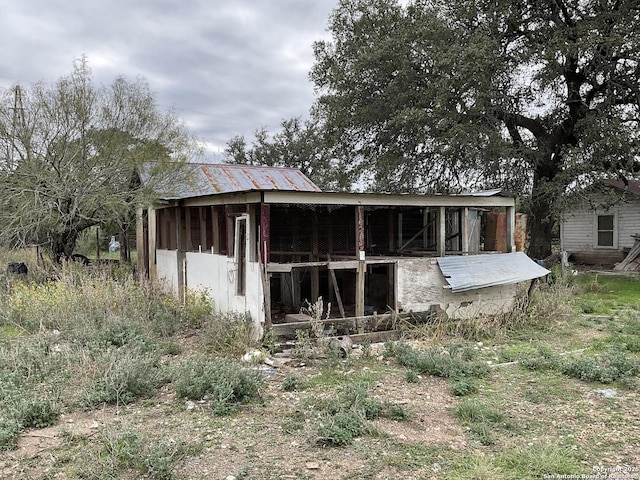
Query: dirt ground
{"x": 255, "y": 442}
{"x": 272, "y": 439}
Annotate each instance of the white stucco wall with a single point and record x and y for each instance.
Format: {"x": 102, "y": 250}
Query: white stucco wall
{"x": 217, "y": 275}
{"x": 421, "y": 286}
{"x": 167, "y": 268}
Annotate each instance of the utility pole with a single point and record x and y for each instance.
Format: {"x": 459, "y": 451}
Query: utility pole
{"x": 18, "y": 122}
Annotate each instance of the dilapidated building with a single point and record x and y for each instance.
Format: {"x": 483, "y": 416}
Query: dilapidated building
{"x": 267, "y": 241}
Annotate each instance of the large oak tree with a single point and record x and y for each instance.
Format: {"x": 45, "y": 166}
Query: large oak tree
{"x": 297, "y": 145}
{"x": 70, "y": 154}
{"x": 536, "y": 97}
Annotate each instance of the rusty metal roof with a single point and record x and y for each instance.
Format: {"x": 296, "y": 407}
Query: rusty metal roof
{"x": 470, "y": 272}
{"x": 632, "y": 186}
{"x": 203, "y": 179}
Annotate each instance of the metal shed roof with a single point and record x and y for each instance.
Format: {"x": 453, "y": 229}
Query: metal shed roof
{"x": 202, "y": 179}
{"x": 632, "y": 186}
{"x": 470, "y": 272}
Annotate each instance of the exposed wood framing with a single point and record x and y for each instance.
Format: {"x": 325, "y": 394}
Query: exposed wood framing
{"x": 369, "y": 323}
{"x": 181, "y": 257}
{"x": 442, "y": 229}
{"x": 153, "y": 270}
{"x": 511, "y": 229}
{"x": 143, "y": 261}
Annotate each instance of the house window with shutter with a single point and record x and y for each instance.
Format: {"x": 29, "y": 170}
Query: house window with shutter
{"x": 605, "y": 231}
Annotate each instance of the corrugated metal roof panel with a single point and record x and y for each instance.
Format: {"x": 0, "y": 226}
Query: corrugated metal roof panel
{"x": 202, "y": 179}
{"x": 484, "y": 193}
{"x": 478, "y": 271}
{"x": 632, "y": 186}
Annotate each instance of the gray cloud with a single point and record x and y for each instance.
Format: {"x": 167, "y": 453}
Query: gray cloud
{"x": 226, "y": 67}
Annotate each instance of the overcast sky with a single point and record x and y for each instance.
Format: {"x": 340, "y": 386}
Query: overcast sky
{"x": 227, "y": 67}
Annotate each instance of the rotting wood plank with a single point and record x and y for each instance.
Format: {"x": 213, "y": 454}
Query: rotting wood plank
{"x": 374, "y": 337}
{"x": 334, "y": 281}
{"x": 630, "y": 262}
{"x": 355, "y": 324}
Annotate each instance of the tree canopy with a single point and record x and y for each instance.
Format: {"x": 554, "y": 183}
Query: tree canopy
{"x": 70, "y": 154}
{"x": 534, "y": 97}
{"x": 297, "y": 145}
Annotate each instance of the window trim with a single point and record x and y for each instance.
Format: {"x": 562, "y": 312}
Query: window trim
{"x": 241, "y": 252}
{"x": 596, "y": 231}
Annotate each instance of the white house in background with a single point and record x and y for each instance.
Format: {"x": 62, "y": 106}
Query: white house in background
{"x": 265, "y": 240}
{"x": 603, "y": 235}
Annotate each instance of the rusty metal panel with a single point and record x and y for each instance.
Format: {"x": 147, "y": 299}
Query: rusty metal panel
{"x": 202, "y": 179}
{"x": 470, "y": 272}
{"x": 495, "y": 239}
{"x": 223, "y": 178}
{"x": 520, "y": 234}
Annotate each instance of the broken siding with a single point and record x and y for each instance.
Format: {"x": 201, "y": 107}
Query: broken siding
{"x": 471, "y": 272}
{"x": 421, "y": 288}
{"x": 216, "y": 275}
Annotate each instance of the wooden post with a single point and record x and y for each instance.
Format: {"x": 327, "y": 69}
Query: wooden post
{"x": 315, "y": 271}
{"x": 98, "y": 240}
{"x": 215, "y": 229}
{"x": 181, "y": 254}
{"x": 265, "y": 246}
{"x": 265, "y": 233}
{"x": 153, "y": 269}
{"x": 360, "y": 277}
{"x": 442, "y": 231}
{"x": 143, "y": 263}
{"x": 362, "y": 267}
{"x": 511, "y": 229}
{"x": 202, "y": 211}
{"x": 188, "y": 245}
{"x": 464, "y": 227}
{"x": 360, "y": 246}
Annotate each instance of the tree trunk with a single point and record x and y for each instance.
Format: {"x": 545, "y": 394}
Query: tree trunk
{"x": 63, "y": 244}
{"x": 541, "y": 218}
{"x": 541, "y": 225}
{"x": 125, "y": 254}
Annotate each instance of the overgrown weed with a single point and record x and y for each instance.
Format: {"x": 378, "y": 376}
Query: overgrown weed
{"x": 221, "y": 382}
{"x": 453, "y": 362}
{"x": 343, "y": 418}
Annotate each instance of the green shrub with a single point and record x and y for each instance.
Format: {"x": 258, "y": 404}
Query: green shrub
{"x": 606, "y": 368}
{"x": 344, "y": 417}
{"x": 123, "y": 376}
{"x": 453, "y": 363}
{"x": 228, "y": 334}
{"x": 38, "y": 413}
{"x": 221, "y": 381}
{"x": 481, "y": 419}
{"x": 339, "y": 428}
{"x": 128, "y": 451}
{"x": 398, "y": 412}
{"x": 463, "y": 387}
{"x": 411, "y": 376}
{"x": 544, "y": 359}
{"x": 293, "y": 382}
{"x": 9, "y": 433}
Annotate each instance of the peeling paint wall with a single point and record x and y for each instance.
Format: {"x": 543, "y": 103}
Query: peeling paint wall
{"x": 421, "y": 288}
{"x": 217, "y": 275}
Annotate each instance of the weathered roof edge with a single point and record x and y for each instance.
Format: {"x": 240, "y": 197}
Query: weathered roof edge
{"x": 470, "y": 272}
{"x": 205, "y": 179}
